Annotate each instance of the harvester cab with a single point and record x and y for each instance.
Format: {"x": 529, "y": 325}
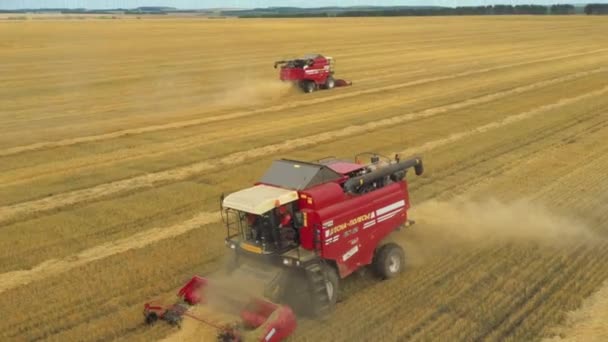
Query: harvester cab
{"x": 312, "y": 72}
{"x": 305, "y": 225}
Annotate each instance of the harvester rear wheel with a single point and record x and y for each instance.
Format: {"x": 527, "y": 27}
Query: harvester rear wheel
{"x": 389, "y": 261}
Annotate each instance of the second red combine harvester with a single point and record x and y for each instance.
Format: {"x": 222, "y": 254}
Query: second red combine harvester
{"x": 317, "y": 223}
{"x": 310, "y": 73}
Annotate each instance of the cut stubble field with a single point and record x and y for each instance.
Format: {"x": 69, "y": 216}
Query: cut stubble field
{"x": 119, "y": 137}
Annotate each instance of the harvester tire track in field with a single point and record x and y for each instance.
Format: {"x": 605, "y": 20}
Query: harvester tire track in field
{"x": 465, "y": 262}
{"x": 195, "y": 122}
{"x": 548, "y": 277}
{"x": 497, "y": 124}
{"x": 495, "y": 153}
{"x": 587, "y": 312}
{"x": 540, "y": 266}
{"x": 422, "y": 324}
{"x": 13, "y": 279}
{"x": 555, "y": 284}
{"x": 433, "y": 313}
{"x": 589, "y": 260}
{"x": 11, "y": 212}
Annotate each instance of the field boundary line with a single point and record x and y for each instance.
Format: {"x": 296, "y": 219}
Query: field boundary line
{"x": 10, "y": 212}
{"x": 13, "y": 279}
{"x": 275, "y": 108}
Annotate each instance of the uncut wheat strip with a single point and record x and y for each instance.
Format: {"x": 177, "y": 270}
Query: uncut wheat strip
{"x": 11, "y": 212}
{"x": 23, "y": 175}
{"x": 463, "y": 61}
{"x": 506, "y": 121}
{"x": 14, "y": 279}
{"x": 194, "y": 122}
{"x": 587, "y": 322}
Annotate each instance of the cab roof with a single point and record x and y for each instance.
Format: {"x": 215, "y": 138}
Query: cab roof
{"x": 259, "y": 199}
{"x": 299, "y": 175}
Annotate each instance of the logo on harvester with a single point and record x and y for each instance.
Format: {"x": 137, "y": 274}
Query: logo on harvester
{"x": 352, "y": 222}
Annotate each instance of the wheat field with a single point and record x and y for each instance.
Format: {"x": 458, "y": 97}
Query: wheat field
{"x": 119, "y": 136}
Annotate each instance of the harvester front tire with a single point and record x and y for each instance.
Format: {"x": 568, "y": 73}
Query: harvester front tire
{"x": 332, "y": 285}
{"x": 323, "y": 290}
{"x": 151, "y": 318}
{"x": 308, "y": 86}
{"x": 330, "y": 83}
{"x": 389, "y": 261}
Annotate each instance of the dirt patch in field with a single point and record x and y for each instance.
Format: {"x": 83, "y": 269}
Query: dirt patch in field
{"x": 449, "y": 226}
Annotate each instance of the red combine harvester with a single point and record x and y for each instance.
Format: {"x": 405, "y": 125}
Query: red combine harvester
{"x": 317, "y": 223}
{"x": 299, "y": 230}
{"x": 310, "y": 72}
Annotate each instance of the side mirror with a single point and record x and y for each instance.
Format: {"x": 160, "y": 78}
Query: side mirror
{"x": 224, "y": 219}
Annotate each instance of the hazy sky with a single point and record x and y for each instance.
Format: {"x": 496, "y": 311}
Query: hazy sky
{"x": 13, "y": 4}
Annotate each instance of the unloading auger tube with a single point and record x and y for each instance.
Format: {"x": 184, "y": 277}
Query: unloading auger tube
{"x": 396, "y": 171}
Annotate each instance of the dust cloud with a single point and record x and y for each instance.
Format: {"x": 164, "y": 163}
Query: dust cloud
{"x": 448, "y": 226}
{"x": 229, "y": 293}
{"x": 252, "y": 92}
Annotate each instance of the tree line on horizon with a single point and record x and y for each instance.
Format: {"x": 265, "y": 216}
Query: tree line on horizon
{"x": 371, "y": 11}
{"x": 557, "y": 9}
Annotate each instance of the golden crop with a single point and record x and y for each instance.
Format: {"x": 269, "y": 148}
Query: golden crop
{"x": 118, "y": 137}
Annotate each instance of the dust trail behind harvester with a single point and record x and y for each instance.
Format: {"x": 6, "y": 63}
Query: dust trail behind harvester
{"x": 252, "y": 92}
{"x": 448, "y": 226}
